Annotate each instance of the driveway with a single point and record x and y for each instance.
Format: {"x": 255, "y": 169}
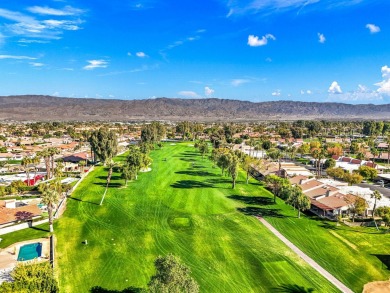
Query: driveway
{"x": 385, "y": 191}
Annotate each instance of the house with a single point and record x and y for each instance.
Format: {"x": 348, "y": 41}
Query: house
{"x": 77, "y": 157}
{"x": 10, "y": 213}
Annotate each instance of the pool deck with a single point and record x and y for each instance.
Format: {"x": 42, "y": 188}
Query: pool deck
{"x": 9, "y": 255}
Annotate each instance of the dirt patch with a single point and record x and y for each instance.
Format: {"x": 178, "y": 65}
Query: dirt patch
{"x": 353, "y": 246}
{"x": 377, "y": 287}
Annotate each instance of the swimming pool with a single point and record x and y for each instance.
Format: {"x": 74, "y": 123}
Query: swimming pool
{"x": 30, "y": 251}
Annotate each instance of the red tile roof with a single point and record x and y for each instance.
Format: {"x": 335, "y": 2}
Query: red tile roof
{"x": 8, "y": 215}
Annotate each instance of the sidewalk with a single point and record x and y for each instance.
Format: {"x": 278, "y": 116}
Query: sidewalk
{"x": 306, "y": 258}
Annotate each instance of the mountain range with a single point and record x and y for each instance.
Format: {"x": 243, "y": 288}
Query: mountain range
{"x": 49, "y": 108}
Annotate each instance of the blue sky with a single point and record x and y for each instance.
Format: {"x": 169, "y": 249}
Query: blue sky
{"x": 256, "y": 50}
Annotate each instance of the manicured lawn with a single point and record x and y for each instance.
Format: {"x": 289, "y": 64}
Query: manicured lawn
{"x": 354, "y": 255}
{"x": 40, "y": 231}
{"x": 181, "y": 208}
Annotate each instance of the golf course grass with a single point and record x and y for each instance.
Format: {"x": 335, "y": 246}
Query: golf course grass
{"x": 182, "y": 206}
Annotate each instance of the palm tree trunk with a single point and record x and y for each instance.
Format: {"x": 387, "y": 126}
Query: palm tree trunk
{"x": 28, "y": 177}
{"x": 299, "y": 213}
{"x": 247, "y": 176}
{"x": 50, "y": 212}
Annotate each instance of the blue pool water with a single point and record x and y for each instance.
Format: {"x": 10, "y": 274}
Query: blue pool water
{"x": 30, "y": 251}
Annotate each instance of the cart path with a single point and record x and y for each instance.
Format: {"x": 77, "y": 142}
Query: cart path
{"x": 306, "y": 258}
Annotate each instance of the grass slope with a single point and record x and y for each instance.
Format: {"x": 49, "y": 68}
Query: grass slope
{"x": 355, "y": 256}
{"x": 180, "y": 208}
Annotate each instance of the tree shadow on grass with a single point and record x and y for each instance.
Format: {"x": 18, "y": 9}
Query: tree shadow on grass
{"x": 261, "y": 212}
{"x": 197, "y": 167}
{"x": 291, "y": 288}
{"x": 384, "y": 258}
{"x": 220, "y": 181}
{"x": 115, "y": 177}
{"x": 254, "y": 200}
{"x": 189, "y": 184}
{"x": 98, "y": 289}
{"x": 195, "y": 173}
{"x": 187, "y": 160}
{"x": 39, "y": 229}
{"x": 111, "y": 185}
{"x": 80, "y": 200}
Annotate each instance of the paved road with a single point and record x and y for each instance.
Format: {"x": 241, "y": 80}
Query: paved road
{"x": 307, "y": 259}
{"x": 385, "y": 191}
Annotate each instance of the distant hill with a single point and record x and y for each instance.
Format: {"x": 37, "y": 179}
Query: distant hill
{"x": 48, "y": 108}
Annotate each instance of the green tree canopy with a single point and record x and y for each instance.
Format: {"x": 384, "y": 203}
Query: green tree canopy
{"x": 31, "y": 277}
{"x": 172, "y": 277}
{"x": 368, "y": 172}
{"x": 104, "y": 144}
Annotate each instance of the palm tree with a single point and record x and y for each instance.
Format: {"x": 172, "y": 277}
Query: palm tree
{"x": 374, "y": 153}
{"x": 25, "y": 163}
{"x": 376, "y": 195}
{"x": 50, "y": 197}
{"x": 276, "y": 155}
{"x": 35, "y": 161}
{"x": 46, "y": 157}
{"x": 52, "y": 152}
{"x": 82, "y": 165}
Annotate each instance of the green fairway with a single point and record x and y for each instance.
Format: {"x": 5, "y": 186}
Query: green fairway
{"x": 181, "y": 208}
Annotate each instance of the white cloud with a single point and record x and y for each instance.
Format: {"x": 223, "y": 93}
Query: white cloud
{"x": 335, "y": 88}
{"x": 307, "y": 92}
{"x": 321, "y": 38}
{"x": 373, "y": 28}
{"x": 362, "y": 94}
{"x": 95, "y": 64}
{"x": 254, "y": 41}
{"x": 239, "y": 81}
{"x": 385, "y": 71}
{"x": 250, "y": 7}
{"x": 141, "y": 54}
{"x": 276, "y": 93}
{"x": 384, "y": 86}
{"x": 268, "y": 59}
{"x": 129, "y": 54}
{"x": 28, "y": 41}
{"x": 23, "y": 25}
{"x": 17, "y": 57}
{"x": 362, "y": 88}
{"x": 208, "y": 91}
{"x": 61, "y": 24}
{"x": 36, "y": 64}
{"x": 56, "y": 94}
{"x": 189, "y": 94}
{"x": 44, "y": 10}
